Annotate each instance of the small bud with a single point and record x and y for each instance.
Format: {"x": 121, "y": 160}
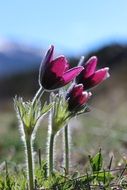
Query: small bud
{"x": 77, "y": 98}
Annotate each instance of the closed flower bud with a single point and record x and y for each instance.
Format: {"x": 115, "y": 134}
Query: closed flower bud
{"x": 77, "y": 98}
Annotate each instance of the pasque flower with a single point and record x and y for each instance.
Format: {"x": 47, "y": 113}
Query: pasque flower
{"x": 55, "y": 73}
{"x": 63, "y": 110}
{"x": 89, "y": 77}
{"x": 76, "y": 104}
{"x": 77, "y": 98}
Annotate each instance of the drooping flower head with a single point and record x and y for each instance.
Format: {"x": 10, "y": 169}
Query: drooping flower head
{"x": 89, "y": 77}
{"x": 77, "y": 98}
{"x": 55, "y": 73}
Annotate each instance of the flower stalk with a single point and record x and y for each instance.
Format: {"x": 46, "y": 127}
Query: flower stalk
{"x": 29, "y": 160}
{"x": 38, "y": 95}
{"x": 66, "y": 155}
{"x": 57, "y": 119}
{"x": 51, "y": 154}
{"x": 29, "y": 115}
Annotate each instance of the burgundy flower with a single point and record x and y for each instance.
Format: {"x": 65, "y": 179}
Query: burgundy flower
{"x": 55, "y": 73}
{"x": 77, "y": 98}
{"x": 89, "y": 77}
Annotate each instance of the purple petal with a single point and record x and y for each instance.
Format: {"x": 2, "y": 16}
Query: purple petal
{"x": 67, "y": 66}
{"x": 77, "y": 90}
{"x": 76, "y": 102}
{"x": 74, "y": 91}
{"x": 98, "y": 77}
{"x": 58, "y": 66}
{"x": 49, "y": 55}
{"x": 89, "y": 67}
{"x": 84, "y": 97}
{"x": 46, "y": 62}
{"x": 50, "y": 81}
{"x": 71, "y": 74}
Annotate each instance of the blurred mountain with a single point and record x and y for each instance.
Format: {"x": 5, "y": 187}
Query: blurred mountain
{"x": 16, "y": 58}
{"x": 113, "y": 55}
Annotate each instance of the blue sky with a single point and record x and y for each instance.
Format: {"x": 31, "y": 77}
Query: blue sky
{"x": 71, "y": 25}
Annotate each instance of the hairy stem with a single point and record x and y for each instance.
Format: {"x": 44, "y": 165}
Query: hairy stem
{"x": 66, "y": 158}
{"x": 38, "y": 95}
{"x": 51, "y": 155}
{"x": 29, "y": 160}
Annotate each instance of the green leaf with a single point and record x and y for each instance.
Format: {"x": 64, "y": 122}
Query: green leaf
{"x": 104, "y": 176}
{"x": 96, "y": 162}
{"x": 46, "y": 108}
{"x": 59, "y": 113}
